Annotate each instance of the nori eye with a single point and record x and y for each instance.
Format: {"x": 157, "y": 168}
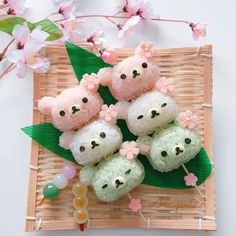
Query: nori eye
{"x": 164, "y": 104}
{"x": 82, "y": 148}
{"x": 128, "y": 171}
{"x": 140, "y": 117}
{"x": 144, "y": 65}
{"x": 104, "y": 186}
{"x": 123, "y": 76}
{"x": 164, "y": 153}
{"x": 103, "y": 135}
{"x": 62, "y": 113}
{"x": 85, "y": 100}
{"x": 187, "y": 140}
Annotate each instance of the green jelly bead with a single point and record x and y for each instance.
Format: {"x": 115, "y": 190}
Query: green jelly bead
{"x": 50, "y": 191}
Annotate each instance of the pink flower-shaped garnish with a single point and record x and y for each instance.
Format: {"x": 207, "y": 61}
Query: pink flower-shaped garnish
{"x": 190, "y": 179}
{"x": 187, "y": 119}
{"x": 165, "y": 85}
{"x": 135, "y": 205}
{"x": 129, "y": 150}
{"x": 109, "y": 114}
{"x": 109, "y": 55}
{"x": 91, "y": 82}
{"x": 147, "y": 50}
{"x": 199, "y": 30}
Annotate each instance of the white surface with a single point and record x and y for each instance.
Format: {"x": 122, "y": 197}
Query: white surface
{"x": 16, "y": 109}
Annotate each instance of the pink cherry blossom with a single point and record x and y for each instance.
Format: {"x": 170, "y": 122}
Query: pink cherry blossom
{"x": 109, "y": 55}
{"x": 28, "y": 58}
{"x": 138, "y": 10}
{"x": 187, "y": 119}
{"x": 135, "y": 205}
{"x": 129, "y": 149}
{"x": 129, "y": 24}
{"x": 97, "y": 38}
{"x": 91, "y": 82}
{"x": 73, "y": 31}
{"x": 199, "y": 30}
{"x": 68, "y": 9}
{"x": 109, "y": 114}
{"x": 141, "y": 8}
{"x": 147, "y": 50}
{"x": 22, "y": 34}
{"x": 16, "y": 7}
{"x": 190, "y": 179}
{"x": 165, "y": 85}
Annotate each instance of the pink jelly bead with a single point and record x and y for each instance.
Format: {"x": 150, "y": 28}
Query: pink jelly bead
{"x": 69, "y": 171}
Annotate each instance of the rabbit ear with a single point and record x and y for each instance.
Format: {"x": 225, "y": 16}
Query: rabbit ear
{"x": 144, "y": 144}
{"x": 86, "y": 174}
{"x": 45, "y": 105}
{"x": 105, "y": 76}
{"x": 122, "y": 109}
{"x": 66, "y": 139}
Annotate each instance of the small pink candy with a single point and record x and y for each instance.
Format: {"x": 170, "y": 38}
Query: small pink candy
{"x": 69, "y": 171}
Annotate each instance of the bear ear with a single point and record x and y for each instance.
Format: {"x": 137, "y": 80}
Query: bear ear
{"x": 146, "y": 50}
{"x": 66, "y": 139}
{"x": 105, "y": 76}
{"x": 45, "y": 105}
{"x": 122, "y": 109}
{"x": 86, "y": 174}
{"x": 144, "y": 144}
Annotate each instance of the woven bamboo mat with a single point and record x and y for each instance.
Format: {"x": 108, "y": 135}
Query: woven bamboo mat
{"x": 164, "y": 208}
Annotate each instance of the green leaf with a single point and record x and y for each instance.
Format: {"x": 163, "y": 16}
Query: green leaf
{"x": 84, "y": 61}
{"x": 7, "y": 24}
{"x": 48, "y": 26}
{"x": 199, "y": 165}
{"x": 48, "y": 136}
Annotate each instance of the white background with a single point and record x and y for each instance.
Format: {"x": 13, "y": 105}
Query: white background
{"x": 16, "y": 108}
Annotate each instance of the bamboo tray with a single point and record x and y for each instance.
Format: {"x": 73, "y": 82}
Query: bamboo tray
{"x": 164, "y": 208}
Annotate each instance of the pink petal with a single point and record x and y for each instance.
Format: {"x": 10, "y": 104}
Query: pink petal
{"x": 130, "y": 156}
{"x": 38, "y": 35}
{"x": 134, "y": 20}
{"x": 104, "y": 107}
{"x": 123, "y": 152}
{"x": 21, "y": 33}
{"x": 107, "y": 118}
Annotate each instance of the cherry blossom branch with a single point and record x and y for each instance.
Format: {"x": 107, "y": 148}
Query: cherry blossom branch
{"x": 11, "y": 67}
{"x": 4, "y": 6}
{"x": 128, "y": 17}
{"x": 2, "y": 54}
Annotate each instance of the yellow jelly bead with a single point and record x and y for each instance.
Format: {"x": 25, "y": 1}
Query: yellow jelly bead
{"x": 81, "y": 216}
{"x": 79, "y": 189}
{"x": 80, "y": 202}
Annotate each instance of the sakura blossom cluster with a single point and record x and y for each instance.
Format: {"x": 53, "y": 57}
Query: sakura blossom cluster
{"x": 128, "y": 15}
{"x": 12, "y": 7}
{"x": 26, "y": 54}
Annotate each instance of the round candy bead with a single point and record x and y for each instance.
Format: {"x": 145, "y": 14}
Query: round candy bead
{"x": 80, "y": 202}
{"x": 69, "y": 171}
{"x": 79, "y": 189}
{"x": 50, "y": 191}
{"x": 60, "y": 181}
{"x": 81, "y": 216}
